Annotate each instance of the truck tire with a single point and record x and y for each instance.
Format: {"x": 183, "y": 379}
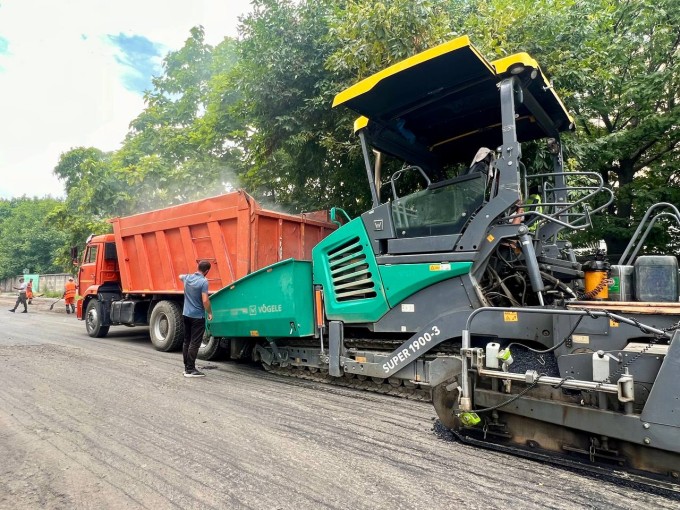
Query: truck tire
{"x": 93, "y": 320}
{"x": 165, "y": 326}
{"x": 211, "y": 348}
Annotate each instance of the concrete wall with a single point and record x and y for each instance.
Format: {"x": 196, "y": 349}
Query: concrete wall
{"x": 47, "y": 283}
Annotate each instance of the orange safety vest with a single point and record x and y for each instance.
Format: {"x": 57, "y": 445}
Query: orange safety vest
{"x": 70, "y": 290}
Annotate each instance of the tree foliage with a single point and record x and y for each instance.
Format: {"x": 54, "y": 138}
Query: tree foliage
{"x": 616, "y": 66}
{"x": 93, "y": 194}
{"x": 370, "y": 36}
{"x": 256, "y": 112}
{"x": 181, "y": 146}
{"x": 295, "y": 147}
{"x": 178, "y": 149}
{"x": 29, "y": 240}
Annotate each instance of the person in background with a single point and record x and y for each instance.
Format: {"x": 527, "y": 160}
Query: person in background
{"x": 21, "y": 299}
{"x": 70, "y": 295}
{"x": 196, "y": 305}
{"x": 29, "y": 291}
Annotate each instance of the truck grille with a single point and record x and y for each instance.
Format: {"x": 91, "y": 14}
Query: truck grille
{"x": 352, "y": 279}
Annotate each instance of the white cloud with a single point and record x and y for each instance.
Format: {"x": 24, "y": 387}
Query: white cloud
{"x": 61, "y": 85}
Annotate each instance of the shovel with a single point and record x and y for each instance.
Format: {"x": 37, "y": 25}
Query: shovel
{"x": 52, "y": 305}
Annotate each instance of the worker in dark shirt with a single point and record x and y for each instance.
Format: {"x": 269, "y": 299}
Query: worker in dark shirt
{"x": 196, "y": 305}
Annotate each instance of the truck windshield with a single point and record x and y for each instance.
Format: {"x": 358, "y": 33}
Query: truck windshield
{"x": 443, "y": 208}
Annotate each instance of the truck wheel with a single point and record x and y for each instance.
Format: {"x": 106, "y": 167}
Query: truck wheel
{"x": 165, "y": 326}
{"x": 93, "y": 320}
{"x": 211, "y": 348}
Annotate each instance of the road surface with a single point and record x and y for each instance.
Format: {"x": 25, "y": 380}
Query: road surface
{"x": 112, "y": 423}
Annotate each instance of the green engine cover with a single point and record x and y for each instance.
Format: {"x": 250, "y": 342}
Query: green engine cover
{"x": 359, "y": 290}
{"x": 276, "y": 301}
{"x": 345, "y": 265}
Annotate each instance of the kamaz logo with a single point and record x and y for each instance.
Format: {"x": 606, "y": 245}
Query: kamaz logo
{"x": 378, "y": 224}
{"x": 255, "y": 309}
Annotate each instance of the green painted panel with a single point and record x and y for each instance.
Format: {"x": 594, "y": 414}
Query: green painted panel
{"x": 402, "y": 280}
{"x": 36, "y": 281}
{"x": 265, "y": 303}
{"x": 345, "y": 265}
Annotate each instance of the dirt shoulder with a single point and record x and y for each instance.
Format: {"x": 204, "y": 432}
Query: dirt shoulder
{"x": 39, "y": 304}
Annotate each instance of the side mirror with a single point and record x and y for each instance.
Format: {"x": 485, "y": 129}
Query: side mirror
{"x": 74, "y": 254}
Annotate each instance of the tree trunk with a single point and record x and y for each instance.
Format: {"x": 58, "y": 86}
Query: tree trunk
{"x": 624, "y": 201}
{"x": 623, "y": 206}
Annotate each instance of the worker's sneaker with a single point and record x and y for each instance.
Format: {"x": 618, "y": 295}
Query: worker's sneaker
{"x": 25, "y": 311}
{"x": 193, "y": 373}
{"x": 11, "y": 310}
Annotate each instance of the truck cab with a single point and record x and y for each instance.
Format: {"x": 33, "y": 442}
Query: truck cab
{"x": 98, "y": 267}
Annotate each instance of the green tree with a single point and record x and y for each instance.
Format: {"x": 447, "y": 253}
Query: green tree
{"x": 93, "y": 194}
{"x": 293, "y": 58}
{"x": 615, "y": 63}
{"x": 295, "y": 148}
{"x": 256, "y": 112}
{"x": 370, "y": 36}
{"x": 27, "y": 238}
{"x": 179, "y": 148}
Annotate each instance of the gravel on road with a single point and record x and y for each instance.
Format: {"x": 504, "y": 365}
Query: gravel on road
{"x": 112, "y": 423}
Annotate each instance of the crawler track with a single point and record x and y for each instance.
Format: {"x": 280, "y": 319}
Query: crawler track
{"x": 650, "y": 484}
{"x": 415, "y": 393}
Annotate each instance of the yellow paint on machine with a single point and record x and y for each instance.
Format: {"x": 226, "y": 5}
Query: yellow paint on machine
{"x": 360, "y": 359}
{"x": 368, "y": 83}
{"x": 360, "y": 123}
{"x": 440, "y": 267}
{"x": 254, "y": 333}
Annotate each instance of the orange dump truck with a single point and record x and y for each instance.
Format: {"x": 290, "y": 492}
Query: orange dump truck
{"x": 131, "y": 277}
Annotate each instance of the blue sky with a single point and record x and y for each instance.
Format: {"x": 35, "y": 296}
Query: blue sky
{"x": 73, "y": 73}
{"x": 141, "y": 59}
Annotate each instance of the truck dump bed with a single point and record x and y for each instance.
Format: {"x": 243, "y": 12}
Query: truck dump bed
{"x": 231, "y": 231}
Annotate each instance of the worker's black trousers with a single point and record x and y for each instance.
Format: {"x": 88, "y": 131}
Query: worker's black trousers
{"x": 21, "y": 300}
{"x": 193, "y": 336}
